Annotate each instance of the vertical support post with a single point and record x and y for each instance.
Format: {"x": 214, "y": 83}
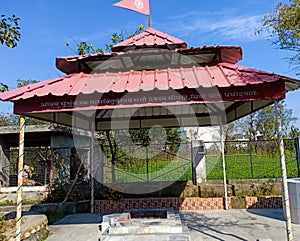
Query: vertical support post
{"x": 284, "y": 176}
{"x": 297, "y": 148}
{"x": 147, "y": 162}
{"x": 113, "y": 161}
{"x": 251, "y": 159}
{"x": 223, "y": 163}
{"x": 92, "y": 162}
{"x": 20, "y": 179}
{"x": 46, "y": 167}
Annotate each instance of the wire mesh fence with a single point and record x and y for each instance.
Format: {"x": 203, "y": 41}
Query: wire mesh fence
{"x": 250, "y": 160}
{"x": 139, "y": 163}
{"x": 47, "y": 166}
{"x": 172, "y": 162}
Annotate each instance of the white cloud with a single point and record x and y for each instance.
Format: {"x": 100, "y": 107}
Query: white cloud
{"x": 221, "y": 25}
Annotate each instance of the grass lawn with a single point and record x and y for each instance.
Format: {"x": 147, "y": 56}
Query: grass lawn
{"x": 178, "y": 167}
{"x": 158, "y": 170}
{"x": 241, "y": 167}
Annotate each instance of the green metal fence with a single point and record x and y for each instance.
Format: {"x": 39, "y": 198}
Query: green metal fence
{"x": 148, "y": 163}
{"x": 172, "y": 162}
{"x": 250, "y": 160}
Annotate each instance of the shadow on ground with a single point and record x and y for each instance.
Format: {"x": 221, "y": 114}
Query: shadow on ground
{"x": 78, "y": 219}
{"x": 210, "y": 226}
{"x": 268, "y": 213}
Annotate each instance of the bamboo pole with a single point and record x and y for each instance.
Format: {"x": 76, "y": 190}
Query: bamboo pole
{"x": 284, "y": 176}
{"x": 20, "y": 179}
{"x": 223, "y": 164}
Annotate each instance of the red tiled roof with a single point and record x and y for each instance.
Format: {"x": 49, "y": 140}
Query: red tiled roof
{"x": 221, "y": 75}
{"x": 150, "y": 37}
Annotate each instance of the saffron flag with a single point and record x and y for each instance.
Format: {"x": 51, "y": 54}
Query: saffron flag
{"x": 141, "y": 6}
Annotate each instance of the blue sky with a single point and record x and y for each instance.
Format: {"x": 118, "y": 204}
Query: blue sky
{"x": 47, "y": 25}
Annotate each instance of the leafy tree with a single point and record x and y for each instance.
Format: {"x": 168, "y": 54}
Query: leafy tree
{"x": 3, "y": 87}
{"x": 10, "y": 36}
{"x": 9, "y": 31}
{"x": 143, "y": 137}
{"x": 8, "y": 119}
{"x": 228, "y": 131}
{"x": 263, "y": 122}
{"x": 22, "y": 82}
{"x": 119, "y": 37}
{"x": 283, "y": 25}
{"x": 87, "y": 48}
{"x": 84, "y": 47}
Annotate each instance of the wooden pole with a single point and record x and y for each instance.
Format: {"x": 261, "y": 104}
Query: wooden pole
{"x": 149, "y": 21}
{"x": 73, "y": 183}
{"x": 20, "y": 179}
{"x": 223, "y": 164}
{"x": 284, "y": 176}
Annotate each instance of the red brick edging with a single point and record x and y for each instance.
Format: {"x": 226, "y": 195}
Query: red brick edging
{"x": 184, "y": 204}
{"x": 264, "y": 202}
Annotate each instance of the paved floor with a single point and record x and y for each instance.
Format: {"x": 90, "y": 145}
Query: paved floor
{"x": 242, "y": 225}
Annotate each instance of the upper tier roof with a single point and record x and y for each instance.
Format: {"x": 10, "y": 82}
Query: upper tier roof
{"x": 150, "y": 38}
{"x": 141, "y": 53}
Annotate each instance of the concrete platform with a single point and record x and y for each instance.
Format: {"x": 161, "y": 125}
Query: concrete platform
{"x": 231, "y": 225}
{"x": 146, "y": 224}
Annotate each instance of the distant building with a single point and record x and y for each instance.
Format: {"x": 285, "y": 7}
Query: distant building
{"x": 44, "y": 136}
{"x": 209, "y": 135}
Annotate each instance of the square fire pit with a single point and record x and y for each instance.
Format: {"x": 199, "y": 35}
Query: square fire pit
{"x": 145, "y": 225}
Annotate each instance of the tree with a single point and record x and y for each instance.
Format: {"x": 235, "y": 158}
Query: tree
{"x": 22, "y": 82}
{"x": 84, "y": 47}
{"x": 8, "y": 119}
{"x": 11, "y": 119}
{"x": 229, "y": 131}
{"x": 264, "y": 123}
{"x": 283, "y": 25}
{"x": 9, "y": 31}
{"x": 10, "y": 36}
{"x": 3, "y": 87}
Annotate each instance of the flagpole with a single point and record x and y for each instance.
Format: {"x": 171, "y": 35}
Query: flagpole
{"x": 149, "y": 21}
{"x": 149, "y": 16}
